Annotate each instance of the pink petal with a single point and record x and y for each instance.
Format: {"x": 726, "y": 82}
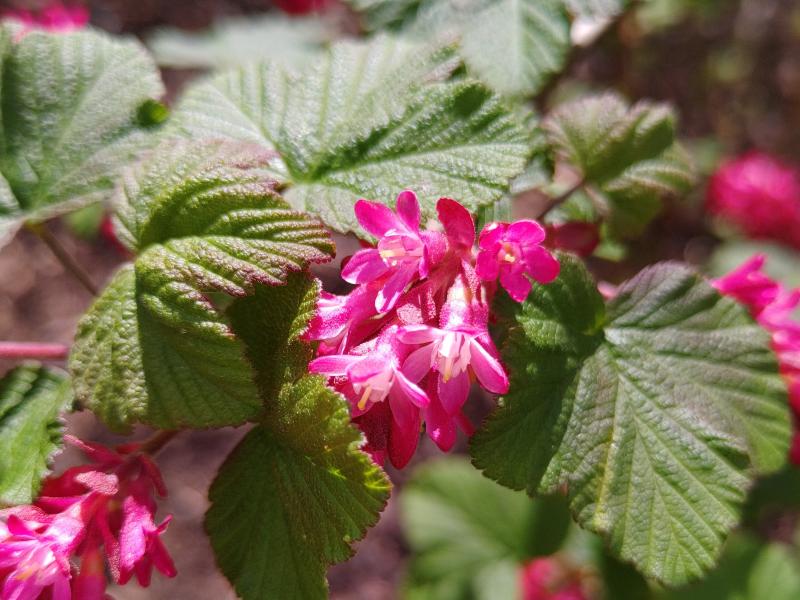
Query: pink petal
{"x": 487, "y": 368}
{"x": 403, "y": 411}
{"x": 408, "y": 209}
{"x": 61, "y": 590}
{"x": 411, "y": 390}
{"x": 541, "y": 265}
{"x": 366, "y": 367}
{"x": 453, "y": 392}
{"x": 418, "y": 364}
{"x": 418, "y": 334}
{"x": 525, "y": 232}
{"x": 334, "y": 365}
{"x": 364, "y": 266}
{"x": 487, "y": 266}
{"x": 492, "y": 236}
{"x": 376, "y": 218}
{"x": 439, "y": 425}
{"x": 457, "y": 222}
{"x": 394, "y": 287}
{"x": 403, "y": 442}
{"x": 516, "y": 284}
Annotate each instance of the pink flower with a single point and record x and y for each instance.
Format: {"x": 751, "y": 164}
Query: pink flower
{"x": 55, "y": 17}
{"x": 403, "y": 253}
{"x": 760, "y": 195}
{"x": 547, "y": 579}
{"x": 460, "y": 348}
{"x": 774, "y": 307}
{"x": 32, "y": 561}
{"x": 110, "y": 504}
{"x": 512, "y": 252}
{"x": 374, "y": 377}
{"x": 749, "y": 285}
{"x": 300, "y": 7}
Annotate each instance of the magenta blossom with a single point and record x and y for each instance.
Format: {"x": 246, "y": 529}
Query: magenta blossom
{"x": 458, "y": 350}
{"x": 376, "y": 376}
{"x": 774, "y": 307}
{"x": 32, "y": 561}
{"x": 512, "y": 252}
{"x": 405, "y": 346}
{"x": 547, "y": 579}
{"x": 403, "y": 254}
{"x": 109, "y": 503}
{"x": 54, "y": 17}
{"x": 760, "y": 195}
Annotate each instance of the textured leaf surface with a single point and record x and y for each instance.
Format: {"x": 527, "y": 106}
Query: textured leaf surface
{"x": 69, "y": 119}
{"x": 651, "y": 410}
{"x": 516, "y": 45}
{"x": 155, "y": 347}
{"x": 466, "y": 531}
{"x": 365, "y": 121}
{"x": 238, "y": 40}
{"x": 628, "y": 155}
{"x": 31, "y": 400}
{"x": 293, "y": 496}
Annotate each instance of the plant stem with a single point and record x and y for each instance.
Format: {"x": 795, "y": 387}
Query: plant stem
{"x": 66, "y": 260}
{"x": 34, "y": 350}
{"x": 560, "y": 199}
{"x": 157, "y": 441}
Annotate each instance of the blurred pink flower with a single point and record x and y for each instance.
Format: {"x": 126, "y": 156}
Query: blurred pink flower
{"x": 55, "y": 17}
{"x": 774, "y": 307}
{"x": 547, "y": 579}
{"x": 300, "y": 7}
{"x": 760, "y": 195}
{"x": 576, "y": 236}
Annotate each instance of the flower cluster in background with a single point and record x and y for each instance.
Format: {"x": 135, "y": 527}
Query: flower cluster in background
{"x": 89, "y": 516}
{"x": 760, "y": 195}
{"x": 776, "y": 309}
{"x": 407, "y": 343}
{"x": 55, "y": 17}
{"x": 548, "y": 579}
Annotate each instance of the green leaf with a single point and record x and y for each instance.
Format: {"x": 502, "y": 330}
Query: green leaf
{"x": 465, "y": 531}
{"x": 655, "y": 411}
{"x": 627, "y": 155}
{"x": 293, "y": 496}
{"x": 365, "y": 121}
{"x": 516, "y": 45}
{"x": 69, "y": 119}
{"x": 31, "y": 400}
{"x": 748, "y": 570}
{"x": 238, "y": 40}
{"x": 155, "y": 347}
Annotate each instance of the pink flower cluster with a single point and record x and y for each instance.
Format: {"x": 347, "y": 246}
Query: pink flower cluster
{"x": 547, "y": 579}
{"x": 406, "y": 344}
{"x": 52, "y": 549}
{"x": 760, "y": 195}
{"x": 775, "y": 308}
{"x": 55, "y": 17}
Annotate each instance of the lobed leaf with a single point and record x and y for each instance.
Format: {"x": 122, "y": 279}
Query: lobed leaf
{"x": 156, "y": 346}
{"x": 655, "y": 411}
{"x": 366, "y": 120}
{"x": 293, "y": 496}
{"x": 31, "y": 401}
{"x": 627, "y": 155}
{"x": 69, "y": 119}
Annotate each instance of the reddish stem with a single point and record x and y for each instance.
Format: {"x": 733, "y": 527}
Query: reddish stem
{"x": 34, "y": 350}
{"x": 154, "y": 444}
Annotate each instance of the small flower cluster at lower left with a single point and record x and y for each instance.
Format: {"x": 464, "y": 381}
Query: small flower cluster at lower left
{"x": 88, "y": 516}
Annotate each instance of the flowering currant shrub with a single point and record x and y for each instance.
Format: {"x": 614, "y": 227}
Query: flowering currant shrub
{"x": 625, "y": 437}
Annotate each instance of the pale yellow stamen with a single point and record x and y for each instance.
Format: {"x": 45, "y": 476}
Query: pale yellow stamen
{"x": 362, "y": 404}
{"x": 448, "y": 369}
